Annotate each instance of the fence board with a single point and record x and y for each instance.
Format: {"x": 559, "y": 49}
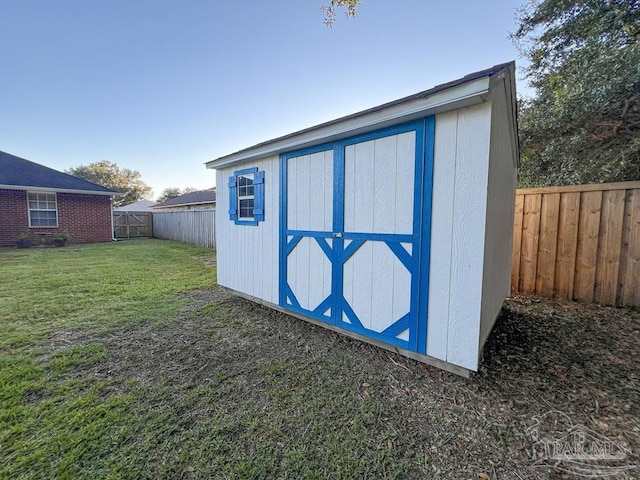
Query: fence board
{"x": 189, "y": 226}
{"x": 517, "y": 243}
{"x": 132, "y": 224}
{"x": 609, "y": 246}
{"x": 579, "y": 242}
{"x": 630, "y": 264}
{"x": 530, "y": 235}
{"x": 567, "y": 245}
{"x": 549, "y": 214}
{"x": 587, "y": 252}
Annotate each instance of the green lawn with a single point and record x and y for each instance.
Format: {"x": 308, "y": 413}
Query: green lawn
{"x": 126, "y": 361}
{"x": 55, "y": 421}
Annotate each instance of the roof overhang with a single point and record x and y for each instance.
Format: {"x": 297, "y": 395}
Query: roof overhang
{"x": 184, "y": 204}
{"x": 57, "y": 190}
{"x": 470, "y": 90}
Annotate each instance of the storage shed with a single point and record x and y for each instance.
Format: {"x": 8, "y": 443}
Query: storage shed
{"x": 392, "y": 225}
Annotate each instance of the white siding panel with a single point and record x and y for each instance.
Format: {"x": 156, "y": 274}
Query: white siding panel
{"x": 405, "y": 173}
{"x": 361, "y": 299}
{"x": 500, "y": 211}
{"x": 248, "y": 255}
{"x": 327, "y": 162}
{"x": 444, "y": 168}
{"x": 363, "y": 180}
{"x": 349, "y": 188}
{"x": 315, "y": 276}
{"x": 310, "y": 192}
{"x": 348, "y": 282}
{"x": 292, "y": 192}
{"x": 401, "y": 287}
{"x": 384, "y": 190}
{"x": 469, "y": 213}
{"x": 379, "y": 180}
{"x": 382, "y": 286}
{"x": 301, "y": 277}
{"x": 316, "y": 194}
{"x": 302, "y": 180}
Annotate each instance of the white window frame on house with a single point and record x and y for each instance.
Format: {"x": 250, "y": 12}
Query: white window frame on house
{"x": 246, "y": 194}
{"x": 42, "y": 202}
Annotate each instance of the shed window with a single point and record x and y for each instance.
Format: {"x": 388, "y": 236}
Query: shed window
{"x": 246, "y": 196}
{"x": 43, "y": 209}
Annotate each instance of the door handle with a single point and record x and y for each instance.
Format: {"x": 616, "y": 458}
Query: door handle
{"x": 337, "y": 235}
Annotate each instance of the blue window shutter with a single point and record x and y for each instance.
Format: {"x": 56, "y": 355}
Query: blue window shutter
{"x": 258, "y": 191}
{"x": 233, "y": 198}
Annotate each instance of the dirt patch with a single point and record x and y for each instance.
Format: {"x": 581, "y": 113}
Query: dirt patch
{"x": 544, "y": 361}
{"x": 208, "y": 260}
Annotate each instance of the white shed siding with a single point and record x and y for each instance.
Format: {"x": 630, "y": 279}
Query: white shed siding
{"x": 247, "y": 254}
{"x": 444, "y": 175}
{"x": 311, "y": 193}
{"x": 500, "y": 210}
{"x": 378, "y": 190}
{"x": 457, "y": 235}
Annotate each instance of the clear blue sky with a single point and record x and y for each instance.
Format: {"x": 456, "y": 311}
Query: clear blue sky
{"x": 162, "y": 86}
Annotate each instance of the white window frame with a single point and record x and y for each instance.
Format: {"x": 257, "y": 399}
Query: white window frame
{"x": 250, "y": 176}
{"x": 30, "y": 210}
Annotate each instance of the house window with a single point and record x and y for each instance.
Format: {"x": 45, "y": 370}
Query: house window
{"x": 246, "y": 196}
{"x": 43, "y": 210}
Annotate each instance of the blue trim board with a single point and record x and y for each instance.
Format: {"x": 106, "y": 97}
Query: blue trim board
{"x": 292, "y": 244}
{"x": 352, "y": 248}
{"x": 398, "y": 326}
{"x": 245, "y": 171}
{"x": 282, "y": 249}
{"x": 402, "y": 255}
{"x": 328, "y": 251}
{"x": 425, "y": 231}
{"x": 307, "y": 233}
{"x": 415, "y": 319}
{"x": 417, "y": 263}
{"x": 380, "y": 237}
{"x": 338, "y": 227}
{"x": 292, "y": 298}
{"x": 351, "y": 315}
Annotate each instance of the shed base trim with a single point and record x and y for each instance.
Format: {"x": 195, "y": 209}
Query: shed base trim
{"x": 426, "y": 359}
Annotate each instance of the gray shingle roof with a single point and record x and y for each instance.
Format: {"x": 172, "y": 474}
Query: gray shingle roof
{"x": 139, "y": 206}
{"x": 199, "y": 197}
{"x": 18, "y": 172}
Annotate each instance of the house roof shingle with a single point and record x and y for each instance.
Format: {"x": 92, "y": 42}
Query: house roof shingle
{"x": 139, "y": 206}
{"x": 18, "y": 173}
{"x": 191, "y": 198}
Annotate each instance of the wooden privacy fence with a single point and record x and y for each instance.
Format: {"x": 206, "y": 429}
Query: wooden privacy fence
{"x": 578, "y": 242}
{"x": 189, "y": 226}
{"x": 132, "y": 224}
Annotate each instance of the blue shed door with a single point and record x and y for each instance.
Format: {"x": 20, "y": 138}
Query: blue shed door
{"x": 354, "y": 233}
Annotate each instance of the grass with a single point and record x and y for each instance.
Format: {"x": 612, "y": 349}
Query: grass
{"x": 56, "y": 422}
{"x": 125, "y": 361}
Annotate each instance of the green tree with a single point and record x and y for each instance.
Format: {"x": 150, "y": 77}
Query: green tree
{"x": 583, "y": 123}
{"x": 108, "y": 174}
{"x": 334, "y": 5}
{"x": 173, "y": 192}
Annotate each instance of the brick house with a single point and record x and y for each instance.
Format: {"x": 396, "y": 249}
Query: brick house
{"x": 43, "y": 202}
